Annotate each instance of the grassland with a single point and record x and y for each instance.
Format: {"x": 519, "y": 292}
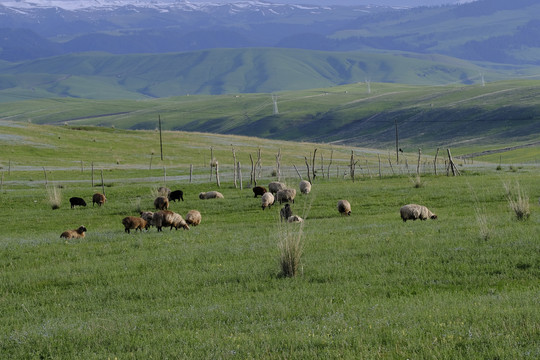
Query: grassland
{"x": 370, "y": 287}
{"x": 481, "y": 117}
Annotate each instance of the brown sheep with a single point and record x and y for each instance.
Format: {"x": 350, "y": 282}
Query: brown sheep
{"x": 259, "y": 190}
{"x": 161, "y": 203}
{"x": 193, "y": 217}
{"x": 344, "y": 207}
{"x": 169, "y": 218}
{"x": 285, "y": 213}
{"x": 133, "y": 222}
{"x": 74, "y": 234}
{"x": 147, "y": 216}
{"x": 98, "y": 199}
{"x": 267, "y": 200}
{"x": 211, "y": 195}
{"x": 286, "y": 195}
{"x": 414, "y": 211}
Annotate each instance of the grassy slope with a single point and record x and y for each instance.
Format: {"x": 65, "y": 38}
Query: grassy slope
{"x": 219, "y": 71}
{"x": 372, "y": 286}
{"x": 500, "y": 113}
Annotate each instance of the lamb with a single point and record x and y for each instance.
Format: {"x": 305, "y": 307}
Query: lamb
{"x": 267, "y": 200}
{"x": 275, "y": 186}
{"x": 259, "y": 190}
{"x": 344, "y": 207}
{"x": 75, "y": 233}
{"x": 193, "y": 217}
{"x": 148, "y": 216}
{"x": 286, "y": 195}
{"x": 133, "y": 222}
{"x": 176, "y": 195}
{"x": 169, "y": 218}
{"x": 414, "y": 211}
{"x": 161, "y": 203}
{"x": 77, "y": 201}
{"x": 295, "y": 218}
{"x": 305, "y": 187}
{"x": 98, "y": 199}
{"x": 211, "y": 195}
{"x": 285, "y": 212}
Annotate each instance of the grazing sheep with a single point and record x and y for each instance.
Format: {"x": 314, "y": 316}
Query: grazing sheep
{"x": 161, "y": 203}
{"x": 169, "y": 218}
{"x": 344, "y": 207}
{"x": 98, "y": 199}
{"x": 74, "y": 234}
{"x": 148, "y": 216}
{"x": 163, "y": 191}
{"x": 414, "y": 211}
{"x": 285, "y": 212}
{"x": 286, "y": 195}
{"x": 295, "y": 218}
{"x": 305, "y": 187}
{"x": 176, "y": 195}
{"x": 275, "y": 186}
{"x": 133, "y": 222}
{"x": 76, "y": 201}
{"x": 259, "y": 190}
{"x": 267, "y": 200}
{"x": 193, "y": 217}
{"x": 211, "y": 195}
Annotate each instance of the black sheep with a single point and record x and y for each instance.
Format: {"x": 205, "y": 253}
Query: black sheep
{"x": 176, "y": 195}
{"x": 77, "y": 201}
{"x": 258, "y": 190}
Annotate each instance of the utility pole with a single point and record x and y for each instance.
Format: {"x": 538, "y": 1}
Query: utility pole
{"x": 274, "y": 100}
{"x": 397, "y": 139}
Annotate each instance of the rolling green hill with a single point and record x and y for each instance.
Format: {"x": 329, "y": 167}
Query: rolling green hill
{"x": 497, "y": 114}
{"x": 226, "y": 71}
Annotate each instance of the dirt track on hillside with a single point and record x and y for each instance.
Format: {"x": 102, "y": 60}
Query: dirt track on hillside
{"x": 495, "y": 151}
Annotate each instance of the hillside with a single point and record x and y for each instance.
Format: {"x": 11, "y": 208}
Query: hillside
{"x": 480, "y": 117}
{"x": 230, "y": 71}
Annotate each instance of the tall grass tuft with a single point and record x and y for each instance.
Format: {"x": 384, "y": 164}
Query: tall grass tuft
{"x": 291, "y": 247}
{"x": 417, "y": 181}
{"x": 517, "y": 200}
{"x": 55, "y": 197}
{"x": 481, "y": 218}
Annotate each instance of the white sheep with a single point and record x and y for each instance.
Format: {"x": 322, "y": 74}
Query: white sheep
{"x": 295, "y": 218}
{"x": 211, "y": 195}
{"x": 286, "y": 195}
{"x": 267, "y": 200}
{"x": 344, "y": 207}
{"x": 415, "y": 211}
{"x": 305, "y": 187}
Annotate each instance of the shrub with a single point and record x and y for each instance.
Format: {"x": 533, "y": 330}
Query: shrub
{"x": 417, "y": 181}
{"x": 518, "y": 201}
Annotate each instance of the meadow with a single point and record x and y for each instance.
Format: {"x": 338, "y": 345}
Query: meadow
{"x": 370, "y": 286}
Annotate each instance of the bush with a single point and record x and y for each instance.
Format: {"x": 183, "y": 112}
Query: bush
{"x": 291, "y": 246}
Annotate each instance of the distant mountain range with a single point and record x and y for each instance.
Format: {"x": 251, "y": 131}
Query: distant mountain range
{"x": 498, "y": 31}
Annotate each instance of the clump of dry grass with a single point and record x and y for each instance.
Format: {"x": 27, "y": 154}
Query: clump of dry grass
{"x": 517, "y": 200}
{"x": 483, "y": 225}
{"x": 55, "y": 197}
{"x": 417, "y": 181}
{"x": 291, "y": 247}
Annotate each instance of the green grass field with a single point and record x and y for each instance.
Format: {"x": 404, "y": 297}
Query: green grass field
{"x": 464, "y": 286}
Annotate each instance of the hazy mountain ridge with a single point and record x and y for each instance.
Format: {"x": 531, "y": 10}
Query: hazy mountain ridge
{"x": 484, "y": 30}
